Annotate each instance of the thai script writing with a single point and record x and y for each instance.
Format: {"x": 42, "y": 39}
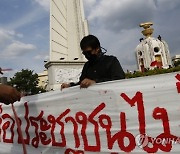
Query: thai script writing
{"x": 47, "y": 128}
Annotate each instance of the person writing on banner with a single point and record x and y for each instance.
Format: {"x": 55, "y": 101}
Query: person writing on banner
{"x": 99, "y": 67}
{"x": 8, "y": 94}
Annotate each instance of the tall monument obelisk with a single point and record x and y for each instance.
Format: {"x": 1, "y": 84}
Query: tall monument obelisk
{"x": 67, "y": 27}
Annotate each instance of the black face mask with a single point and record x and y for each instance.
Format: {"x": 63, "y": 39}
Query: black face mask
{"x": 90, "y": 57}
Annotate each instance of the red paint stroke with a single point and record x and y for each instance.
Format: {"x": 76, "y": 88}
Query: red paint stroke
{"x": 71, "y": 151}
{"x": 178, "y": 83}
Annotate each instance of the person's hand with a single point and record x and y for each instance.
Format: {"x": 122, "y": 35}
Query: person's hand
{"x": 9, "y": 94}
{"x": 86, "y": 83}
{"x": 65, "y": 85}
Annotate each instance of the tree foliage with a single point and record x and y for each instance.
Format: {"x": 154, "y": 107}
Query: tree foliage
{"x": 26, "y": 81}
{"x": 152, "y": 72}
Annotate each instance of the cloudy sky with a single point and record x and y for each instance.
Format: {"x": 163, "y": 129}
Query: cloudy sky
{"x": 24, "y": 29}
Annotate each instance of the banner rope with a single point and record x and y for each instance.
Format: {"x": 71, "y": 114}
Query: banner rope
{"x": 19, "y": 129}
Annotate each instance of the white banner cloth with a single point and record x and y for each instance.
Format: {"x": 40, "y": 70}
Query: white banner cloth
{"x": 140, "y": 115}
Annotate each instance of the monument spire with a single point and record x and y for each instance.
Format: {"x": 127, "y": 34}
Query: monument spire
{"x": 148, "y": 31}
{"x": 67, "y": 27}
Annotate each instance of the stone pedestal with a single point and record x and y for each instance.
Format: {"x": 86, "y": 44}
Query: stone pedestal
{"x": 60, "y": 72}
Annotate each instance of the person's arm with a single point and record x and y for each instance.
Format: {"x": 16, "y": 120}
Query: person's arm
{"x": 9, "y": 94}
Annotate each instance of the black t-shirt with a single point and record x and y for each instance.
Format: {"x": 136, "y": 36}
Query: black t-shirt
{"x": 106, "y": 68}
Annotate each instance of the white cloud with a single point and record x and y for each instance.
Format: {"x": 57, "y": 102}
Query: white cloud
{"x": 16, "y": 49}
{"x": 20, "y": 35}
{"x": 41, "y": 57}
{"x": 5, "y": 35}
{"x": 121, "y": 14}
{"x": 44, "y": 3}
{"x": 167, "y": 5}
{"x": 88, "y": 4}
{"x": 27, "y": 19}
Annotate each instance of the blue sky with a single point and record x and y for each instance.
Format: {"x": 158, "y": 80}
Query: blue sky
{"x": 24, "y": 29}
{"x": 24, "y": 35}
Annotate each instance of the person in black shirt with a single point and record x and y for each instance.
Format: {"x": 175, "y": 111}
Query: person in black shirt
{"x": 99, "y": 67}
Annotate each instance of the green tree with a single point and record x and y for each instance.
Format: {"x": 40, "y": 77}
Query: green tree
{"x": 26, "y": 81}
{"x": 152, "y": 72}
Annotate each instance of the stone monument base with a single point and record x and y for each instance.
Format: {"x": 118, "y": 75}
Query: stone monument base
{"x": 61, "y": 71}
